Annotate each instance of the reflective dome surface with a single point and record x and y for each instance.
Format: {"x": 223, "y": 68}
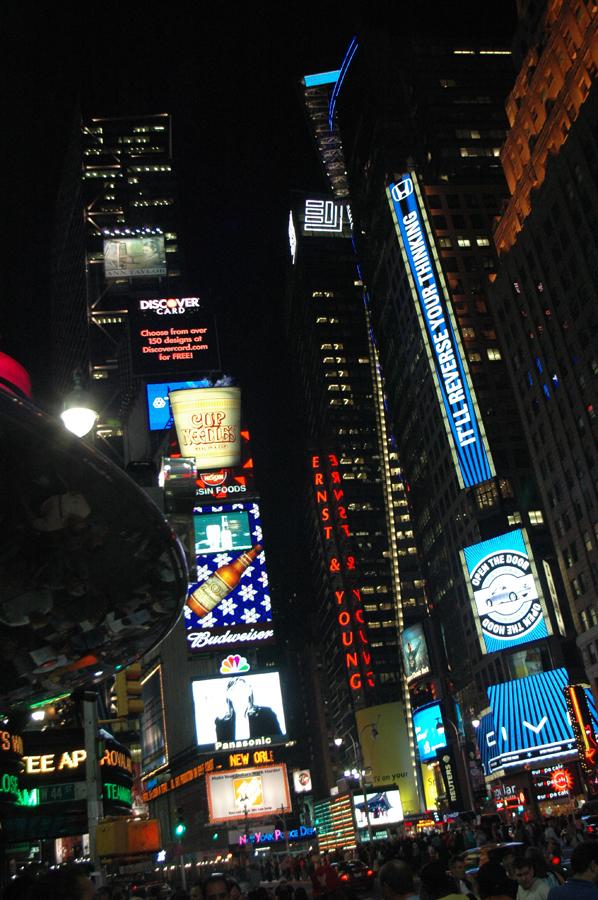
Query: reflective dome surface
{"x": 91, "y": 574}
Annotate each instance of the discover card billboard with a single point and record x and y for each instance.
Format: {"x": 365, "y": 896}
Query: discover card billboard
{"x": 505, "y": 592}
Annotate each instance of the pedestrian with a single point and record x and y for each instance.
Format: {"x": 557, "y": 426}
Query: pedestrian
{"x": 457, "y": 871}
{"x": 493, "y": 883}
{"x": 68, "y": 883}
{"x": 437, "y": 884}
{"x": 584, "y": 868}
{"x": 396, "y": 881}
{"x": 530, "y": 886}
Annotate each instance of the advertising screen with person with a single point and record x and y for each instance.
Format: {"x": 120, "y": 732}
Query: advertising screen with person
{"x": 134, "y": 257}
{"x": 230, "y": 711}
{"x": 415, "y": 653}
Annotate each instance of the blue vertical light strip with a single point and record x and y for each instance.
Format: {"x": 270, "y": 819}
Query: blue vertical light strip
{"x": 464, "y": 426}
{"x": 351, "y": 51}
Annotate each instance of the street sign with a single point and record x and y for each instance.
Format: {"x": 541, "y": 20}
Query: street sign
{"x": 63, "y": 793}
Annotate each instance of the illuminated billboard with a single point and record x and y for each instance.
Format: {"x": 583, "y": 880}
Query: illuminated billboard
{"x": 243, "y": 711}
{"x": 461, "y": 415}
{"x": 135, "y": 257}
{"x": 529, "y": 721}
{"x": 302, "y": 781}
{"x": 384, "y": 809}
{"x": 429, "y": 731}
{"x": 556, "y": 782}
{"x": 208, "y": 425}
{"x": 218, "y": 532}
{"x": 415, "y": 652}
{"x": 236, "y": 582}
{"x": 386, "y": 750}
{"x": 248, "y": 793}
{"x": 505, "y": 592}
{"x": 182, "y": 341}
{"x": 159, "y": 414}
{"x": 154, "y": 752}
{"x": 325, "y": 217}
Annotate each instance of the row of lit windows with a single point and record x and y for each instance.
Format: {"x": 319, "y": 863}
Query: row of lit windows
{"x": 157, "y": 202}
{"x": 479, "y": 151}
{"x": 151, "y": 168}
{"x": 144, "y": 128}
{"x": 493, "y": 354}
{"x": 327, "y": 320}
{"x": 446, "y": 243}
{"x": 323, "y": 294}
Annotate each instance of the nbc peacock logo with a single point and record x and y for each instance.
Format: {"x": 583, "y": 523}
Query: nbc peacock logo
{"x": 234, "y": 665}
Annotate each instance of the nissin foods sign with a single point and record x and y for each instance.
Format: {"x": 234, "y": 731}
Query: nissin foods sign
{"x": 462, "y": 420}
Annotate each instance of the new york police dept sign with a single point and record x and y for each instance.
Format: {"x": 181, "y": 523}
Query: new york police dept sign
{"x": 464, "y": 427}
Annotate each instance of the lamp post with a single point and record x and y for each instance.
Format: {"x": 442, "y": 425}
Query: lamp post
{"x": 360, "y": 773}
{"x": 78, "y": 414}
{"x": 461, "y": 745}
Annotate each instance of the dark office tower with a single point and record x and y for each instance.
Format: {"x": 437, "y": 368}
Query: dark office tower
{"x": 318, "y": 91}
{"x": 363, "y": 580}
{"x": 422, "y": 123}
{"x": 127, "y": 202}
{"x": 545, "y": 294}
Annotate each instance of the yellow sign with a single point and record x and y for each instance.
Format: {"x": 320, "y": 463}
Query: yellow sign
{"x": 430, "y": 784}
{"x": 386, "y": 750}
{"x": 248, "y": 792}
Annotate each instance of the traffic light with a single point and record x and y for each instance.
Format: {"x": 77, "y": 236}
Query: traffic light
{"x": 126, "y": 693}
{"x": 181, "y": 826}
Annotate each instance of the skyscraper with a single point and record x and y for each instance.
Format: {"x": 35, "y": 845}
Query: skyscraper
{"x": 545, "y": 290}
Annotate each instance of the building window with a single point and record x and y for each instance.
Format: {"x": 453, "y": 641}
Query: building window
{"x": 493, "y": 353}
{"x": 463, "y": 241}
{"x": 536, "y": 517}
{"x": 514, "y": 518}
{"x": 486, "y": 495}
{"x": 445, "y": 243}
{"x": 474, "y": 357}
{"x": 506, "y": 488}
{"x": 482, "y": 241}
{"x": 468, "y": 334}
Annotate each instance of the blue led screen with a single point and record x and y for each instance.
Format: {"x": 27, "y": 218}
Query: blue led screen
{"x": 427, "y": 720}
{"x": 529, "y": 721}
{"x": 505, "y": 593}
{"x": 475, "y": 465}
{"x": 159, "y": 415}
{"x": 239, "y": 617}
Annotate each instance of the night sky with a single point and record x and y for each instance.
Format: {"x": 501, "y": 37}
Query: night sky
{"x": 228, "y": 73}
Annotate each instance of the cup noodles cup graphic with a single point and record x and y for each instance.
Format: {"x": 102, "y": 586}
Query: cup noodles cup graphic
{"x": 208, "y": 425}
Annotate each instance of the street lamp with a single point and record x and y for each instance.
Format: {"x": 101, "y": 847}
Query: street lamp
{"x": 359, "y": 772}
{"x": 461, "y": 745}
{"x": 78, "y": 414}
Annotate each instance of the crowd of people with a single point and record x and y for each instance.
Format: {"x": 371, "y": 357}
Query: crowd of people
{"x": 522, "y": 861}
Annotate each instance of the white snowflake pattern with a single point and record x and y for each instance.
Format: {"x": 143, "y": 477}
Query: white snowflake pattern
{"x": 267, "y": 604}
{"x": 257, "y": 533}
{"x": 228, "y": 606}
{"x": 263, "y": 578}
{"x": 208, "y": 621}
{"x": 186, "y": 612}
{"x": 254, "y": 511}
{"x": 250, "y": 616}
{"x": 203, "y": 572}
{"x": 222, "y": 559}
{"x": 247, "y": 593}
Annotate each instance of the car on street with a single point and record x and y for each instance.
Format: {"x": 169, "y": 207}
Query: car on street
{"x": 355, "y": 874}
{"x": 477, "y": 856}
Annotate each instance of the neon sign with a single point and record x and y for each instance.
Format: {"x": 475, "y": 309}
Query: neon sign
{"x": 329, "y": 496}
{"x": 461, "y": 415}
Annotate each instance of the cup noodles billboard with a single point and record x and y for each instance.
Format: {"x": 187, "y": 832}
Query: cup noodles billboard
{"x": 248, "y": 793}
{"x": 208, "y": 425}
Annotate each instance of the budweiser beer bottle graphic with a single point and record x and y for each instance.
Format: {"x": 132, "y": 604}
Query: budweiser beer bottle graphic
{"x": 209, "y": 594}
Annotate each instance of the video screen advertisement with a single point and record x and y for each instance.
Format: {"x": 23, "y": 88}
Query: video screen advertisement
{"x": 135, "y": 257}
{"x": 528, "y": 721}
{"x": 430, "y": 733}
{"x": 384, "y": 809}
{"x": 248, "y": 793}
{"x": 386, "y": 750}
{"x": 416, "y": 660}
{"x": 172, "y": 334}
{"x": 229, "y": 602}
{"x": 447, "y": 360}
{"x": 238, "y": 712}
{"x": 505, "y": 592}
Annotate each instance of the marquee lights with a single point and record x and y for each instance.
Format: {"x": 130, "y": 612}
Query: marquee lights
{"x": 576, "y": 698}
{"x": 447, "y": 361}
